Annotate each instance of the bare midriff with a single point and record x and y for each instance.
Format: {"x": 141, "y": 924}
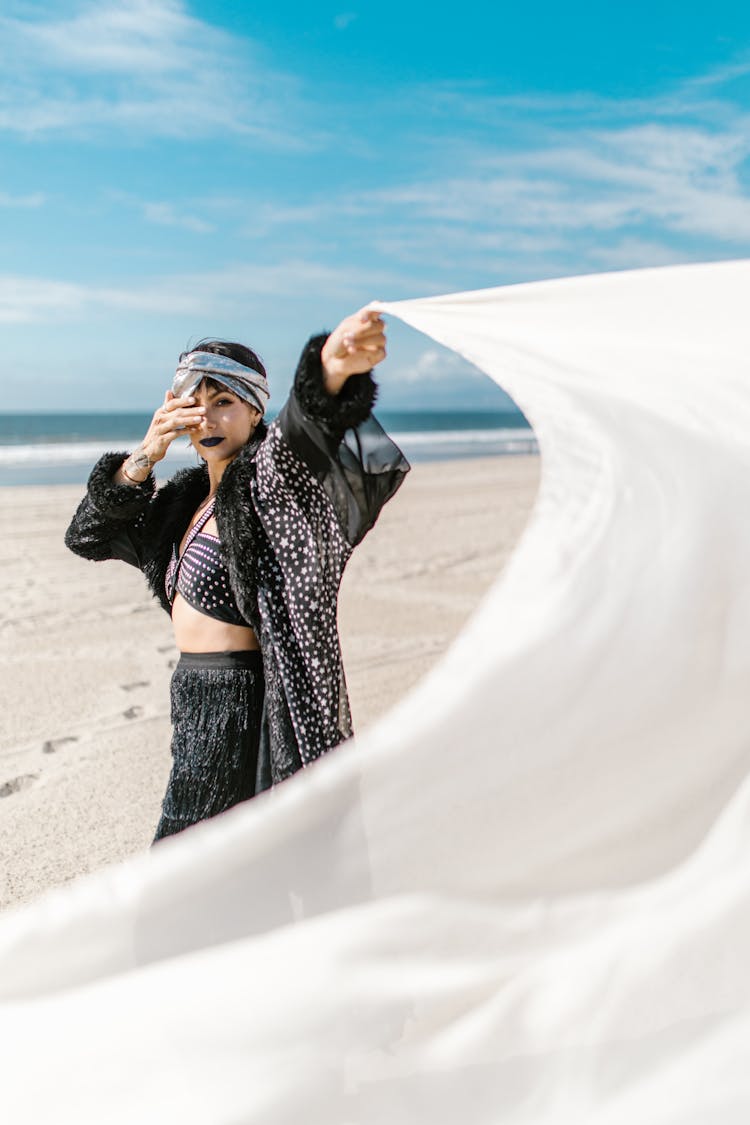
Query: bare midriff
{"x": 196, "y": 632}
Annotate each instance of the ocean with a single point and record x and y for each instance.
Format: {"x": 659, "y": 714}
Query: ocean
{"x": 61, "y": 448}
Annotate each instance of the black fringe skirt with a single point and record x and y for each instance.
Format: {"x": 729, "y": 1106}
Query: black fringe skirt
{"x": 217, "y": 709}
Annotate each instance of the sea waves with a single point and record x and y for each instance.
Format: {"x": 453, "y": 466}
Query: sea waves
{"x": 52, "y": 462}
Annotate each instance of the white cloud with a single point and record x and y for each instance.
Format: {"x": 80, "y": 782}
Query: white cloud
{"x": 666, "y": 177}
{"x": 441, "y": 366}
{"x": 137, "y": 36}
{"x": 634, "y": 253}
{"x": 36, "y": 199}
{"x": 27, "y": 299}
{"x": 231, "y": 290}
{"x": 343, "y": 20}
{"x": 547, "y": 184}
{"x": 721, "y": 75}
{"x": 508, "y": 188}
{"x": 686, "y": 180}
{"x": 144, "y": 66}
{"x": 438, "y": 379}
{"x": 164, "y": 214}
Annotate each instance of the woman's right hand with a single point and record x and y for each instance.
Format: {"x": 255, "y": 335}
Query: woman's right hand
{"x": 172, "y": 419}
{"x": 175, "y": 417}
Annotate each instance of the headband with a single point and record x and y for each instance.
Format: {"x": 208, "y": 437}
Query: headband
{"x": 240, "y": 380}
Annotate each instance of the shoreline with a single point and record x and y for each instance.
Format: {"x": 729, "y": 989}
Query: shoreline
{"x": 88, "y": 654}
{"x": 76, "y": 474}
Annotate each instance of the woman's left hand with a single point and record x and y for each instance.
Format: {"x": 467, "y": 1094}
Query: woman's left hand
{"x": 356, "y": 345}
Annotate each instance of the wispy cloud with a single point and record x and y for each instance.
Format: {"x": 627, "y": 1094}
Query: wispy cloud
{"x": 145, "y": 66}
{"x": 491, "y": 189}
{"x": 36, "y": 199}
{"x": 655, "y": 180}
{"x": 23, "y": 299}
{"x": 721, "y": 75}
{"x": 164, "y": 214}
{"x": 684, "y": 180}
{"x": 435, "y": 366}
{"x": 639, "y": 172}
{"x": 184, "y": 215}
{"x": 230, "y": 290}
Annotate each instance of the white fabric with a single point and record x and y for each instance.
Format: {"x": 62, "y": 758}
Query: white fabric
{"x": 523, "y": 896}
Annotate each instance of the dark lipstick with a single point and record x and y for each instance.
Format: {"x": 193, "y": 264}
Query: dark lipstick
{"x": 211, "y": 440}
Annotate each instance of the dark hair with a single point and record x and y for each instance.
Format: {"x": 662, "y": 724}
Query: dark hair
{"x": 240, "y": 354}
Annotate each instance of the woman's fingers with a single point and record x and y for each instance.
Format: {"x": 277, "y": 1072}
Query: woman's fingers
{"x": 183, "y": 408}
{"x": 181, "y": 418}
{"x": 362, "y": 324}
{"x": 368, "y": 343}
{"x": 174, "y": 403}
{"x": 173, "y": 419}
{"x": 356, "y": 345}
{"x": 362, "y": 329}
{"x": 374, "y": 344}
{"x": 368, "y": 349}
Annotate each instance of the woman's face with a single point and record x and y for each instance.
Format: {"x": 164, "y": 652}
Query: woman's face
{"x": 228, "y": 424}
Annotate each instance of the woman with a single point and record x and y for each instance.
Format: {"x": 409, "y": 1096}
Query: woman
{"x": 246, "y": 553}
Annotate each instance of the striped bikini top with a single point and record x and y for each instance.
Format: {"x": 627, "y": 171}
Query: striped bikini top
{"x": 200, "y": 574}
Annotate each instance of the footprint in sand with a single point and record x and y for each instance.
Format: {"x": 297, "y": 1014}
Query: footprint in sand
{"x": 53, "y": 744}
{"x": 171, "y": 664}
{"x": 16, "y": 784}
{"x": 132, "y": 713}
{"x": 165, "y": 648}
{"x": 134, "y": 685}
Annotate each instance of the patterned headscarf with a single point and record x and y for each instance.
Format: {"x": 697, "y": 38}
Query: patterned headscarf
{"x": 240, "y": 380}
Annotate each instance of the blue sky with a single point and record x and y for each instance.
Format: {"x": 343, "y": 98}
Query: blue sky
{"x": 170, "y": 170}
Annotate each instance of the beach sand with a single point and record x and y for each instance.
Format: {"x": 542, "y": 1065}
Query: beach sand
{"x": 87, "y": 655}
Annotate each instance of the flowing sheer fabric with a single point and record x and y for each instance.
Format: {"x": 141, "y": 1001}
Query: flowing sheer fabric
{"x": 521, "y": 897}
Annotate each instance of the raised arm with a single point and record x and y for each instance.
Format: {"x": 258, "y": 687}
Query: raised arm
{"x": 328, "y": 422}
{"x": 353, "y": 348}
{"x": 333, "y": 389}
{"x": 109, "y": 521}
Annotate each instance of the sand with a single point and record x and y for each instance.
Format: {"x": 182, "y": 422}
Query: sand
{"x": 87, "y": 654}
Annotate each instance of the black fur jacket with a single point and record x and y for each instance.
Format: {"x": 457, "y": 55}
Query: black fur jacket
{"x": 289, "y": 510}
